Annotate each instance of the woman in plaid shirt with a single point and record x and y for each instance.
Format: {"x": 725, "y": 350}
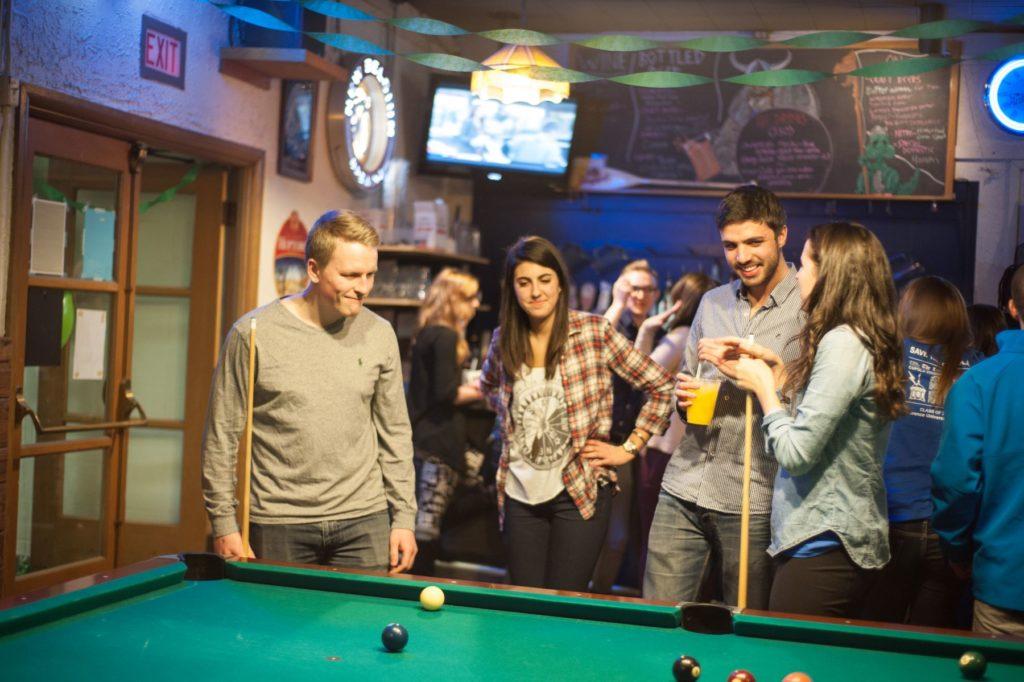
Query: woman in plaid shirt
{"x": 548, "y": 375}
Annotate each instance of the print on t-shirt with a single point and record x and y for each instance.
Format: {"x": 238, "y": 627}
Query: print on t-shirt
{"x": 542, "y": 425}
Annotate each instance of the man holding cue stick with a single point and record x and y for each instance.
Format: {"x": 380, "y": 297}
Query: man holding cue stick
{"x": 701, "y": 537}
{"x": 332, "y": 479}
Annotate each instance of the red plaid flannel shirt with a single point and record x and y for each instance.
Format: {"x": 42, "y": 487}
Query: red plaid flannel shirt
{"x": 592, "y": 352}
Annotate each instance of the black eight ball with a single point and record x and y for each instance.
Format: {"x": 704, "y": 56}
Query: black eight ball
{"x": 686, "y": 669}
{"x": 394, "y": 637}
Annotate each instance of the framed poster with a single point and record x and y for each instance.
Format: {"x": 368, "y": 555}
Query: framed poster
{"x": 295, "y": 137}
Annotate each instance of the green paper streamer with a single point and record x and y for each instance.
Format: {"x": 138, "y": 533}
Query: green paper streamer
{"x": 445, "y": 62}
{"x": 67, "y": 318}
{"x": 723, "y": 43}
{"x": 1003, "y": 53}
{"x": 619, "y": 43}
{"x": 427, "y": 27}
{"x": 946, "y": 28}
{"x": 255, "y": 17}
{"x": 337, "y": 10}
{"x": 347, "y": 43}
{"x": 781, "y": 78}
{"x": 45, "y": 190}
{"x": 904, "y": 67}
{"x": 554, "y": 73}
{"x": 187, "y": 179}
{"x": 660, "y": 79}
{"x": 829, "y": 39}
{"x": 520, "y": 36}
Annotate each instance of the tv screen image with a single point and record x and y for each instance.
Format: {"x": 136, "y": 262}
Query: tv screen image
{"x": 466, "y": 131}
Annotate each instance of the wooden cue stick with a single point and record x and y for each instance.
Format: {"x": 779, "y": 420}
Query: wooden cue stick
{"x": 243, "y": 498}
{"x": 745, "y": 502}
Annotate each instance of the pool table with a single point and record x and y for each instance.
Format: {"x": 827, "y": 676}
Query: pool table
{"x": 199, "y": 617}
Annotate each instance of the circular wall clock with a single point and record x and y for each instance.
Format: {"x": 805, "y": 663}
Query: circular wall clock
{"x": 361, "y": 124}
{"x": 1004, "y": 95}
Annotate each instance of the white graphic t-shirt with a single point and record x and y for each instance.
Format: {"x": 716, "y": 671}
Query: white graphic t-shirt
{"x": 539, "y": 447}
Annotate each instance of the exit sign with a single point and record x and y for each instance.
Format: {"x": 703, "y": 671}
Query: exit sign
{"x": 162, "y": 56}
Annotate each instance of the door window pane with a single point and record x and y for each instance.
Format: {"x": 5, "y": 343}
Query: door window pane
{"x": 165, "y": 241}
{"x": 153, "y": 491}
{"x": 66, "y": 361}
{"x": 160, "y": 355}
{"x": 60, "y": 509}
{"x": 83, "y": 243}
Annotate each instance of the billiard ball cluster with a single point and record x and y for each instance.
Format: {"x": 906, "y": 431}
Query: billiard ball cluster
{"x": 395, "y": 636}
{"x": 687, "y": 669}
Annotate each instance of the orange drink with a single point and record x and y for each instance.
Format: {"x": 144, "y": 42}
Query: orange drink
{"x": 703, "y": 406}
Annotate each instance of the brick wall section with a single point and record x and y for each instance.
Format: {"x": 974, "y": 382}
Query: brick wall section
{"x": 5, "y": 395}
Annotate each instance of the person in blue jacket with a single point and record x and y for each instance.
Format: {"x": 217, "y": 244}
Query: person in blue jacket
{"x": 978, "y": 479}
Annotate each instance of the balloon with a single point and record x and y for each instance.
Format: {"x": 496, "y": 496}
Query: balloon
{"x": 67, "y": 322}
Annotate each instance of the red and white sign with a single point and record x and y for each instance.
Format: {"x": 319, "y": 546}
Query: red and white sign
{"x": 162, "y": 52}
{"x": 290, "y": 257}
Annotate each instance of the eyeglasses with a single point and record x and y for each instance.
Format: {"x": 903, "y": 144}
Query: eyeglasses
{"x": 644, "y": 290}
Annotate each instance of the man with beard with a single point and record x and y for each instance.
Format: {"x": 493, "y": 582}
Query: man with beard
{"x": 695, "y": 536}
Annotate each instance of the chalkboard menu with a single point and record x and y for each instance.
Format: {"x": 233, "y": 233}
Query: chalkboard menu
{"x": 840, "y": 137}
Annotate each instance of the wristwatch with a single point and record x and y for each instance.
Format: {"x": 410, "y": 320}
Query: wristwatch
{"x": 631, "y": 447}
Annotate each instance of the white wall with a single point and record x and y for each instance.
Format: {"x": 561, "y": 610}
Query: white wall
{"x": 995, "y": 159}
{"x": 89, "y": 49}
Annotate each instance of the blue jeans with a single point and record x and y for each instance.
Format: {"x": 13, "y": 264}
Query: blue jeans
{"x": 689, "y": 545}
{"x": 348, "y": 543}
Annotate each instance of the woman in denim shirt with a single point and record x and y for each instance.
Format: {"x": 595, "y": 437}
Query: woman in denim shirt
{"x": 829, "y": 520}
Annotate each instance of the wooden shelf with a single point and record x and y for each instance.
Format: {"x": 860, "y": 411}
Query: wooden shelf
{"x": 393, "y": 302}
{"x": 426, "y": 254}
{"x": 404, "y": 303}
{"x": 257, "y": 65}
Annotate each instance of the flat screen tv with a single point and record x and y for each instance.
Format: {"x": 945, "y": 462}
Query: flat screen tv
{"x": 467, "y": 133}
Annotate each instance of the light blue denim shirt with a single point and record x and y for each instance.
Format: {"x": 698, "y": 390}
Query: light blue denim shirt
{"x": 831, "y": 454}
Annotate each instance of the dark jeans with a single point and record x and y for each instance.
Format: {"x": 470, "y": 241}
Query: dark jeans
{"x": 690, "y": 546}
{"x": 829, "y": 584}
{"x": 551, "y": 545}
{"x": 348, "y": 543}
{"x": 620, "y": 526}
{"x": 917, "y": 586}
{"x": 648, "y": 487}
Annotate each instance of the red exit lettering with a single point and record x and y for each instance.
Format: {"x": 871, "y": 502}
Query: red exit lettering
{"x": 163, "y": 53}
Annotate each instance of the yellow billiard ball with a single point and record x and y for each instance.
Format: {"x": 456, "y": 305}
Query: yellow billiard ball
{"x": 432, "y": 598}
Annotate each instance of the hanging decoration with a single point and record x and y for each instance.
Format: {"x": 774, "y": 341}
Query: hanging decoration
{"x": 933, "y": 30}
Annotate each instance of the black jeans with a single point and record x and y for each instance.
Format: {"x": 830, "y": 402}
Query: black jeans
{"x": 551, "y": 545}
{"x": 829, "y": 584}
{"x": 917, "y": 586}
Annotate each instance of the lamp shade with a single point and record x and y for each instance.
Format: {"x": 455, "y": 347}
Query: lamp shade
{"x": 501, "y": 81}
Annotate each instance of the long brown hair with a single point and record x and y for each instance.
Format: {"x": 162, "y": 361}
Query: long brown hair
{"x": 854, "y": 287}
{"x": 689, "y": 289}
{"x": 932, "y": 311}
{"x": 449, "y": 286}
{"x": 515, "y": 325}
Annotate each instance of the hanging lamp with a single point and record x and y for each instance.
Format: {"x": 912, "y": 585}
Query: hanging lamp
{"x": 505, "y": 81}
{"x": 501, "y": 81}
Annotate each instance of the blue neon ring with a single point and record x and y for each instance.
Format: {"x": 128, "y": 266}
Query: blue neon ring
{"x": 995, "y": 81}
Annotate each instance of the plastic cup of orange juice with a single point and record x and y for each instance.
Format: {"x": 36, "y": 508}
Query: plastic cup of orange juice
{"x": 702, "y": 409}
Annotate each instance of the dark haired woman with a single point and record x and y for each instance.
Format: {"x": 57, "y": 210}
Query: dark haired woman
{"x": 829, "y": 525}
{"x": 917, "y": 586}
{"x": 685, "y": 295}
{"x": 548, "y": 374}
{"x": 986, "y": 323}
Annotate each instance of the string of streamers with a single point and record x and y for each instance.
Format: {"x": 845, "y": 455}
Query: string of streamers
{"x": 45, "y": 190}
{"x": 932, "y": 30}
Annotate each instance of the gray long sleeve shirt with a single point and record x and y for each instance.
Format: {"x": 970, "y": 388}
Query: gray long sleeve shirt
{"x": 331, "y": 435}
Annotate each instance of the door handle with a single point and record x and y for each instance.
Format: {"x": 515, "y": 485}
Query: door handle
{"x": 127, "y": 400}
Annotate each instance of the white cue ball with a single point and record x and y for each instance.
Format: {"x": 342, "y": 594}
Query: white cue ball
{"x": 432, "y": 598}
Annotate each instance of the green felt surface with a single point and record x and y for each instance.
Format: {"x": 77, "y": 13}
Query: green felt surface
{"x": 237, "y": 628}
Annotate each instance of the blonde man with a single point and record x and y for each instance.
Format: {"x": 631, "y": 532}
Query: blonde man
{"x": 332, "y": 469}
